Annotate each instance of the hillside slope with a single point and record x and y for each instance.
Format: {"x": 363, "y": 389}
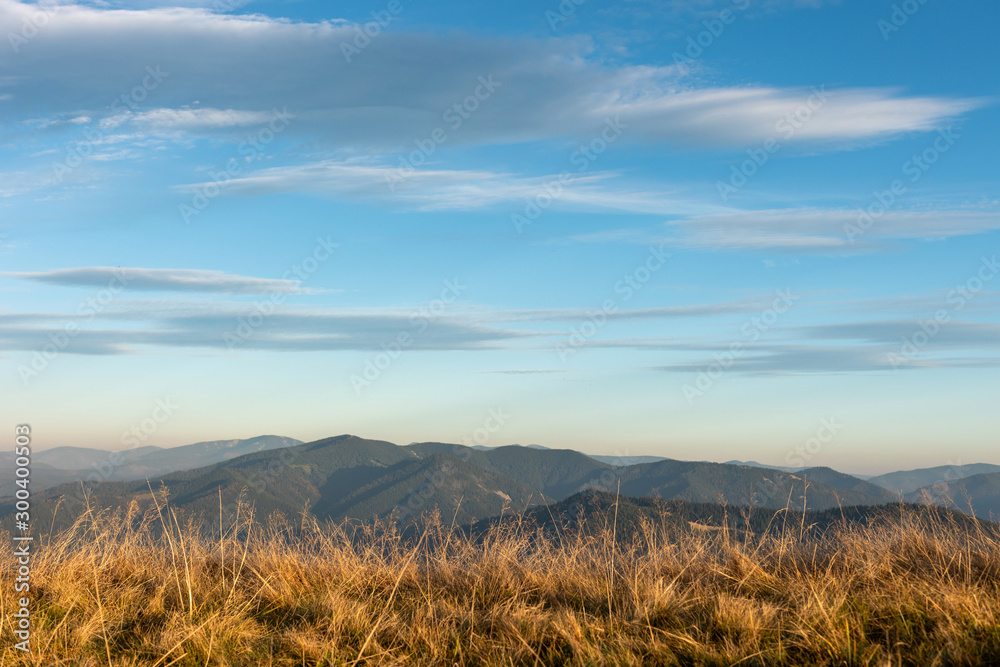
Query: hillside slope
{"x": 908, "y": 481}
{"x": 743, "y": 485}
{"x": 596, "y": 513}
{"x": 980, "y": 492}
{"x": 556, "y": 473}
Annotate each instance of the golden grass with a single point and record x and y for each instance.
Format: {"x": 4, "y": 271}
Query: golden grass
{"x": 131, "y": 590}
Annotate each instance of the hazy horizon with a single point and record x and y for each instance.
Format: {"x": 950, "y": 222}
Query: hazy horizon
{"x": 870, "y": 471}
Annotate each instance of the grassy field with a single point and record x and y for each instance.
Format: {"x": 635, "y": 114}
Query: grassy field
{"x": 124, "y": 590}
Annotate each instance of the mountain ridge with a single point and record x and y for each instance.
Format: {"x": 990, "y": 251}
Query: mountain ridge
{"x": 349, "y": 477}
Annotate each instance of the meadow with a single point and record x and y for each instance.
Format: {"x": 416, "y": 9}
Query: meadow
{"x": 153, "y": 589}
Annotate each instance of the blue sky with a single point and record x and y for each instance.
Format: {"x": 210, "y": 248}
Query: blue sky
{"x": 698, "y": 229}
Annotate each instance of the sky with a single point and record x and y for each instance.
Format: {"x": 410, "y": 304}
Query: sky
{"x": 703, "y": 229}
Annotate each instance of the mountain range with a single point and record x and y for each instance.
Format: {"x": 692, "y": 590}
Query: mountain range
{"x": 348, "y": 477}
{"x": 908, "y": 481}
{"x": 61, "y": 465}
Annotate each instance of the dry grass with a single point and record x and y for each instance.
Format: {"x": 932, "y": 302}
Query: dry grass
{"x": 150, "y": 591}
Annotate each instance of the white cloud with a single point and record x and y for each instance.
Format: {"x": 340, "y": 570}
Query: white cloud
{"x": 169, "y": 121}
{"x": 397, "y": 89}
{"x": 734, "y": 116}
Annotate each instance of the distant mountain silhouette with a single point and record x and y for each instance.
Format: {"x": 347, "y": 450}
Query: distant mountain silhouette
{"x": 347, "y": 477}
{"x": 980, "y": 492}
{"x": 61, "y": 465}
{"x": 908, "y": 481}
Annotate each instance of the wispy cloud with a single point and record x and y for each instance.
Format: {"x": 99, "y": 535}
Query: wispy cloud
{"x": 739, "y": 116}
{"x": 459, "y": 190}
{"x": 950, "y": 335}
{"x": 187, "y": 323}
{"x": 287, "y": 331}
{"x": 171, "y": 280}
{"x": 746, "y": 305}
{"x": 529, "y": 371}
{"x": 826, "y": 230}
{"x": 548, "y": 88}
{"x": 805, "y": 230}
{"x": 131, "y": 325}
{"x": 801, "y": 359}
{"x": 169, "y": 121}
{"x": 872, "y": 346}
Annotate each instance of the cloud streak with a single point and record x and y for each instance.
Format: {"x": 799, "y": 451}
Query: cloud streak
{"x": 874, "y": 346}
{"x": 455, "y": 190}
{"x": 166, "y": 280}
{"x": 186, "y": 324}
{"x": 825, "y": 230}
{"x": 815, "y": 359}
{"x": 132, "y": 326}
